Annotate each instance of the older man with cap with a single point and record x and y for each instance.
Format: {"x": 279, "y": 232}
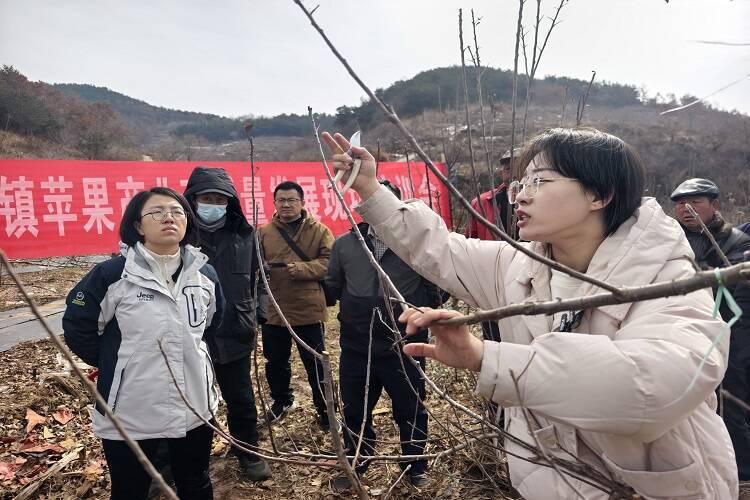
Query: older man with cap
{"x": 703, "y": 196}
{"x": 229, "y": 242}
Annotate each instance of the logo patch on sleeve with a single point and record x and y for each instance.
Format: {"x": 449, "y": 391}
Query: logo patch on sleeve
{"x": 79, "y": 299}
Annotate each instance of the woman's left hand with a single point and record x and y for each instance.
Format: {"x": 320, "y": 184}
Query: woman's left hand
{"x": 454, "y": 346}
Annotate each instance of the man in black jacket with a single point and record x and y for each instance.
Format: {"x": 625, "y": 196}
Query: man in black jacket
{"x": 353, "y": 280}
{"x": 703, "y": 197}
{"x": 229, "y": 242}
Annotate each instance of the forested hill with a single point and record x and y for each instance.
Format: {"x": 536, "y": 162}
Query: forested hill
{"x": 442, "y": 88}
{"x": 435, "y": 89}
{"x": 158, "y": 122}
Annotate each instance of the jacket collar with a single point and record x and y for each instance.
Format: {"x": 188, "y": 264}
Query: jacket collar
{"x": 305, "y": 220}
{"x": 137, "y": 266}
{"x": 487, "y": 195}
{"x": 632, "y": 256}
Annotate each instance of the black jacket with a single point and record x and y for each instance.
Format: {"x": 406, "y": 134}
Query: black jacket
{"x": 733, "y": 243}
{"x": 355, "y": 283}
{"x": 231, "y": 251}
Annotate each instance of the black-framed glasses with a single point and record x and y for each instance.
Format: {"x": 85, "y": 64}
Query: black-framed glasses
{"x": 530, "y": 187}
{"x": 160, "y": 215}
{"x": 287, "y": 201}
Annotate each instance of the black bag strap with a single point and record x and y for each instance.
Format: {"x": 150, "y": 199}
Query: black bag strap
{"x": 302, "y": 255}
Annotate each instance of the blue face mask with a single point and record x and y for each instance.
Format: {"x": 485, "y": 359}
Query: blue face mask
{"x": 211, "y": 213}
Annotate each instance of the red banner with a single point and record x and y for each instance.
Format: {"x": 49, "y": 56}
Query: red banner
{"x": 59, "y": 207}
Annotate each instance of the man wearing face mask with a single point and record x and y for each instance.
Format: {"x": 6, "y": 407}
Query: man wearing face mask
{"x": 229, "y": 242}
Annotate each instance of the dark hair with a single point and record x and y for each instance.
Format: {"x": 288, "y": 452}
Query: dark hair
{"x": 287, "y": 185}
{"x": 394, "y": 189}
{"x": 604, "y": 165}
{"x": 132, "y": 215}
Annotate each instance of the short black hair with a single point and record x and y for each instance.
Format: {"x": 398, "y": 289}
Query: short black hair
{"x": 287, "y": 185}
{"x": 394, "y": 188}
{"x": 604, "y": 165}
{"x": 132, "y": 214}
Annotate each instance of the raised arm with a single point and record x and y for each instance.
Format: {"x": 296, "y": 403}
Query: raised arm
{"x": 419, "y": 236}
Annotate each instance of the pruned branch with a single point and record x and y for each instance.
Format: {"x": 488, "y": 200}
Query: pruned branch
{"x": 704, "y": 279}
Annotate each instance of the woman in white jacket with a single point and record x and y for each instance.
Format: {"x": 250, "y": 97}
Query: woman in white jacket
{"x": 159, "y": 295}
{"x": 619, "y": 386}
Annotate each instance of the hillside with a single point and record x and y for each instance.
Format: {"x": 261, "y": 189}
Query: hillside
{"x": 155, "y": 123}
{"x": 83, "y": 121}
{"x": 139, "y": 115}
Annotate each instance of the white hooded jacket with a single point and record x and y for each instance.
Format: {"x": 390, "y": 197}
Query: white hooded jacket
{"x": 116, "y": 317}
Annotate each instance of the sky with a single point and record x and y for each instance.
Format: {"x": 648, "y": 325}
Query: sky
{"x": 242, "y": 57}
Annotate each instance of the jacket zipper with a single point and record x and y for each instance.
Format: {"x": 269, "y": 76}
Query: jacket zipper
{"x": 119, "y": 386}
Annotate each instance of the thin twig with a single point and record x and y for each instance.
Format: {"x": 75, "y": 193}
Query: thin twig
{"x": 509, "y": 225}
{"x": 693, "y": 103}
{"x": 582, "y": 101}
{"x": 398, "y": 479}
{"x": 393, "y": 118}
{"x": 708, "y": 234}
{"x": 487, "y": 150}
{"x": 466, "y": 108}
{"x": 537, "y": 56}
{"x": 366, "y": 402}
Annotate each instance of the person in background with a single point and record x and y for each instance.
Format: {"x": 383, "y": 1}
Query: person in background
{"x": 703, "y": 196}
{"x": 626, "y": 388}
{"x": 487, "y": 201}
{"x": 229, "y": 242}
{"x": 355, "y": 283}
{"x": 495, "y": 203}
{"x": 297, "y": 248}
{"x": 158, "y": 300}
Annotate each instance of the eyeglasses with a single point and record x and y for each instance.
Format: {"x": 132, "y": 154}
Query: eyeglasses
{"x": 530, "y": 188}
{"x": 160, "y": 215}
{"x": 287, "y": 201}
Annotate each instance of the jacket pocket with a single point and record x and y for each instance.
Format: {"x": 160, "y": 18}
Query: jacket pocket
{"x": 113, "y": 404}
{"x": 245, "y": 314}
{"x": 680, "y": 484}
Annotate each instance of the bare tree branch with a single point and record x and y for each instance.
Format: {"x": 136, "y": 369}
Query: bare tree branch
{"x": 704, "y": 279}
{"x": 708, "y": 234}
{"x": 693, "y": 103}
{"x": 509, "y": 224}
{"x": 393, "y": 118}
{"x": 485, "y": 145}
{"x": 464, "y": 83}
{"x": 582, "y": 101}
